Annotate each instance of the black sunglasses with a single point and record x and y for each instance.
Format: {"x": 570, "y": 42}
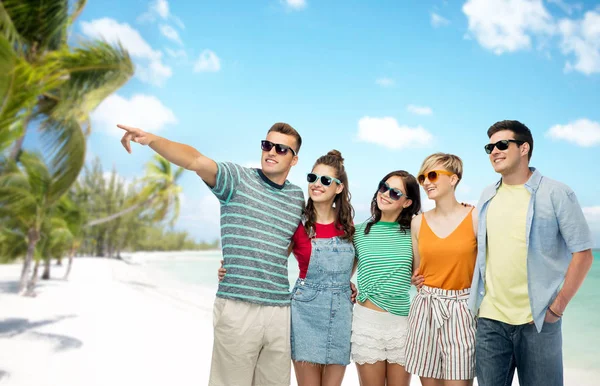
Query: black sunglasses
{"x": 325, "y": 180}
{"x": 395, "y": 194}
{"x": 279, "y": 148}
{"x": 501, "y": 145}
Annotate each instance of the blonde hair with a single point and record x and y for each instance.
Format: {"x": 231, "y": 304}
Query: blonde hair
{"x": 450, "y": 162}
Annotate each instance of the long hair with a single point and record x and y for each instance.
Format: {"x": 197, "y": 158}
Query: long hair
{"x": 344, "y": 212}
{"x": 412, "y": 192}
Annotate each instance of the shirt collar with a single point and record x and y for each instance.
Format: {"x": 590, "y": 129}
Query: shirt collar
{"x": 268, "y": 181}
{"x": 532, "y": 184}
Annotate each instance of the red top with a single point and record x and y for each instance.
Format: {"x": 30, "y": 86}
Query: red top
{"x": 303, "y": 246}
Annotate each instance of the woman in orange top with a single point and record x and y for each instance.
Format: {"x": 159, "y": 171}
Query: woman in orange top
{"x": 440, "y": 347}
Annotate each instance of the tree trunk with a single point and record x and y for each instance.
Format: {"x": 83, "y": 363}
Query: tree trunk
{"x": 46, "y": 273}
{"x": 33, "y": 237}
{"x": 59, "y": 262}
{"x": 119, "y": 214}
{"x": 70, "y": 263}
{"x": 33, "y": 281}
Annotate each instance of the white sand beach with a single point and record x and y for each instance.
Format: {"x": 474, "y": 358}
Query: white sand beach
{"x": 115, "y": 324}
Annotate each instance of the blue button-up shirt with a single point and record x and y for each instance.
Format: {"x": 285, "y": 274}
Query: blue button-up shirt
{"x": 556, "y": 228}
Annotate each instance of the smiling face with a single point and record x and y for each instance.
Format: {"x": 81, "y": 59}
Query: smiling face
{"x": 389, "y": 206}
{"x": 441, "y": 185}
{"x": 507, "y": 161}
{"x": 320, "y": 193}
{"x": 275, "y": 165}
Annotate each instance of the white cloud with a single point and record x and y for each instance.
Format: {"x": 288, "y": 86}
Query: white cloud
{"x": 507, "y": 25}
{"x": 160, "y": 9}
{"x": 150, "y": 68}
{"x": 419, "y": 110}
{"x": 385, "y": 82}
{"x": 207, "y": 62}
{"x": 143, "y": 111}
{"x": 582, "y": 132}
{"x": 582, "y": 39}
{"x": 295, "y": 5}
{"x": 438, "y": 21}
{"x": 170, "y": 33}
{"x": 387, "y": 133}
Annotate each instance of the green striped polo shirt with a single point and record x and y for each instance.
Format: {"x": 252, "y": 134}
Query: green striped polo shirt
{"x": 384, "y": 266}
{"x": 258, "y": 219}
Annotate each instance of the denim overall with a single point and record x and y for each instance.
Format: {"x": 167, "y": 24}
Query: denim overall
{"x": 321, "y": 305}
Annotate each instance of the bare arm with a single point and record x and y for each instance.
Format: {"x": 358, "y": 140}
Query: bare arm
{"x": 417, "y": 278}
{"x": 475, "y": 221}
{"x": 177, "y": 153}
{"x": 576, "y": 273}
{"x": 415, "y": 225}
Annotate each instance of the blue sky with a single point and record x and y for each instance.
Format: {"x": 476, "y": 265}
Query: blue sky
{"x": 384, "y": 83}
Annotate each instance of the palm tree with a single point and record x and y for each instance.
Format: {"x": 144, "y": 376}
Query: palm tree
{"x": 29, "y": 196}
{"x": 46, "y": 83}
{"x": 159, "y": 195}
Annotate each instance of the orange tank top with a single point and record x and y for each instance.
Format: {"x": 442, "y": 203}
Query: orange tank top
{"x": 448, "y": 263}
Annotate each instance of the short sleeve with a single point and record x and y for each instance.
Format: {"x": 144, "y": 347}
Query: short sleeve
{"x": 572, "y": 223}
{"x": 229, "y": 176}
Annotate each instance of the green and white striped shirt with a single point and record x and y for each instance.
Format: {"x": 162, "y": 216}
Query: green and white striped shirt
{"x": 258, "y": 219}
{"x": 384, "y": 266}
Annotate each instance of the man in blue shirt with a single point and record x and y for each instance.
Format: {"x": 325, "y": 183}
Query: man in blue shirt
{"x": 534, "y": 251}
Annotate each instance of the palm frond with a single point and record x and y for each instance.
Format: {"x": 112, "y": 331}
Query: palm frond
{"x": 66, "y": 146}
{"x": 37, "y": 173}
{"x": 8, "y": 29}
{"x": 95, "y": 70}
{"x": 18, "y": 203}
{"x": 20, "y": 85}
{"x": 77, "y": 9}
{"x": 40, "y": 23}
{"x": 13, "y": 243}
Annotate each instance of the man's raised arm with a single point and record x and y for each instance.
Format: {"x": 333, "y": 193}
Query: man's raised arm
{"x": 177, "y": 153}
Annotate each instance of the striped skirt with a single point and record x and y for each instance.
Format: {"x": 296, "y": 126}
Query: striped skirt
{"x": 441, "y": 335}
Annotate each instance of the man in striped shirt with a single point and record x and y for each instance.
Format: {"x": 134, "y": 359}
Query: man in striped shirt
{"x": 260, "y": 210}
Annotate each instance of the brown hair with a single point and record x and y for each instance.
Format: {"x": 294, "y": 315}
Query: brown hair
{"x": 522, "y": 132}
{"x": 450, "y": 162}
{"x": 344, "y": 212}
{"x": 284, "y": 128}
{"x": 412, "y": 192}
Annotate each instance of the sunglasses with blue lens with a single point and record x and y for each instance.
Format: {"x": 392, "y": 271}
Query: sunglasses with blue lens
{"x": 395, "y": 194}
{"x": 325, "y": 180}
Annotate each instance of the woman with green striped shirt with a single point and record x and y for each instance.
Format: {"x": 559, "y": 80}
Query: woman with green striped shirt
{"x": 384, "y": 252}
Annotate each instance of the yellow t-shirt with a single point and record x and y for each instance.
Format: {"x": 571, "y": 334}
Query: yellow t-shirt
{"x": 506, "y": 295}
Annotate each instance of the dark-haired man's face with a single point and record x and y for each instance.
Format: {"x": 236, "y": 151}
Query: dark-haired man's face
{"x": 274, "y": 164}
{"x": 507, "y": 161}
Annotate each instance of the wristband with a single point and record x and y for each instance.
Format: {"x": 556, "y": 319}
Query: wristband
{"x": 554, "y": 313}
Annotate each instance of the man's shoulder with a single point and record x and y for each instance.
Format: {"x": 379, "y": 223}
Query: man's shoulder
{"x": 548, "y": 185}
{"x": 294, "y": 190}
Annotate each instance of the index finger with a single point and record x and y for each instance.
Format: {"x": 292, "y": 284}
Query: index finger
{"x": 127, "y": 128}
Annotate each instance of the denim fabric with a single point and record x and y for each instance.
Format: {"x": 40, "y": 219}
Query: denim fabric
{"x": 501, "y": 347}
{"x": 321, "y": 305}
{"x": 556, "y": 228}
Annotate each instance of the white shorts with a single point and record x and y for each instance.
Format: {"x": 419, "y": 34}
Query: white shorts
{"x": 378, "y": 336}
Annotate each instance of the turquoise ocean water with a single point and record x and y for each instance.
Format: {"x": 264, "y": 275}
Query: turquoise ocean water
{"x": 581, "y": 323}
